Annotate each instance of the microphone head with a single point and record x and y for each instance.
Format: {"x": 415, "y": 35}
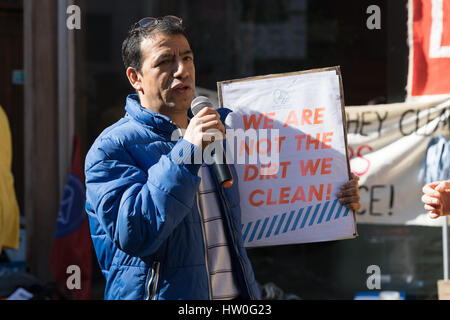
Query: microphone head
{"x": 199, "y": 103}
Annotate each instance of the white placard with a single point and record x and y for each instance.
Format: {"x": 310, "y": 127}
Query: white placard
{"x": 287, "y": 140}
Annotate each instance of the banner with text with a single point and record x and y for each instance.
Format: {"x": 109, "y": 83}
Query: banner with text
{"x": 290, "y": 154}
{"x": 387, "y": 146}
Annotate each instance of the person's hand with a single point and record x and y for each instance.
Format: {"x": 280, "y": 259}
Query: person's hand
{"x": 348, "y": 194}
{"x": 436, "y": 198}
{"x": 205, "y": 128}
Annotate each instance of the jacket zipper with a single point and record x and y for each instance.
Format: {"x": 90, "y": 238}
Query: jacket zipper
{"x": 204, "y": 244}
{"x": 235, "y": 243}
{"x": 151, "y": 295}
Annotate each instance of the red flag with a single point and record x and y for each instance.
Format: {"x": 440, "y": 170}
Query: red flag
{"x": 71, "y": 257}
{"x": 429, "y": 28}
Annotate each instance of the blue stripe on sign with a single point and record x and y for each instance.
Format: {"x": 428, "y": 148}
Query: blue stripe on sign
{"x": 254, "y": 231}
{"x": 269, "y": 232}
{"x": 277, "y": 231}
{"x": 315, "y": 214}
{"x": 299, "y": 214}
{"x": 332, "y": 209}
{"x": 291, "y": 215}
{"x": 338, "y": 212}
{"x": 306, "y": 217}
{"x": 266, "y": 220}
{"x": 346, "y": 212}
{"x": 323, "y": 212}
{"x": 246, "y": 231}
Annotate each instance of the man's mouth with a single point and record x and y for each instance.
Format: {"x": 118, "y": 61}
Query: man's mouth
{"x": 181, "y": 88}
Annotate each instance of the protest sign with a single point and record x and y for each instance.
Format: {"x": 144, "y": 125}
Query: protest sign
{"x": 286, "y": 137}
{"x": 387, "y": 147}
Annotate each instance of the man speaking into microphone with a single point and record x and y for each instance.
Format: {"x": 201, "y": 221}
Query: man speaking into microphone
{"x": 162, "y": 225}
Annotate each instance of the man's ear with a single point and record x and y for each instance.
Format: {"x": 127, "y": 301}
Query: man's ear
{"x": 135, "y": 79}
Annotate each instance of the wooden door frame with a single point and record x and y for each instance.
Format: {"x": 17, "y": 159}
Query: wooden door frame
{"x": 41, "y": 132}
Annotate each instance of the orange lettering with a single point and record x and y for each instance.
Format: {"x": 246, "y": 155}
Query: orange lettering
{"x": 252, "y": 122}
{"x": 318, "y": 115}
{"x": 306, "y": 115}
{"x": 299, "y": 138}
{"x": 312, "y": 168}
{"x": 313, "y": 191}
{"x": 270, "y": 202}
{"x": 252, "y": 202}
{"x": 284, "y": 195}
{"x": 284, "y": 165}
{"x": 326, "y": 138}
{"x": 292, "y": 119}
{"x": 268, "y": 121}
{"x": 245, "y": 147}
{"x": 326, "y": 165}
{"x": 299, "y": 195}
{"x": 310, "y": 141}
{"x": 280, "y": 140}
{"x": 268, "y": 147}
{"x": 269, "y": 171}
{"x": 249, "y": 167}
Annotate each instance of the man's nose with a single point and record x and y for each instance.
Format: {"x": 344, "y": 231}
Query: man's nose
{"x": 180, "y": 69}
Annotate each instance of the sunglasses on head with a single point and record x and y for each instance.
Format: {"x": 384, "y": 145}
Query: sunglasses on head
{"x": 152, "y": 22}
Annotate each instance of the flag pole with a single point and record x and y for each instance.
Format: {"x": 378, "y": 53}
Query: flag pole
{"x": 445, "y": 246}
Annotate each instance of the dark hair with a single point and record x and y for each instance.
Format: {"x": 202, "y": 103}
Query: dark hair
{"x": 131, "y": 46}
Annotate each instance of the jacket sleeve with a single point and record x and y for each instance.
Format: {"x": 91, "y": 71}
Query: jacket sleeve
{"x": 138, "y": 210}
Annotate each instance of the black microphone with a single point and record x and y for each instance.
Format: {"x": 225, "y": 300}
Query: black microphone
{"x": 220, "y": 165}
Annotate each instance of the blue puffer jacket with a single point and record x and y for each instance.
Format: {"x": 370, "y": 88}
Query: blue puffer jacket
{"x": 143, "y": 214}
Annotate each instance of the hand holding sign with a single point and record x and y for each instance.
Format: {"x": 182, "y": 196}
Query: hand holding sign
{"x": 349, "y": 194}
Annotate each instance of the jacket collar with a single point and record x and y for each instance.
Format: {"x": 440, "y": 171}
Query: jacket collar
{"x": 148, "y": 117}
